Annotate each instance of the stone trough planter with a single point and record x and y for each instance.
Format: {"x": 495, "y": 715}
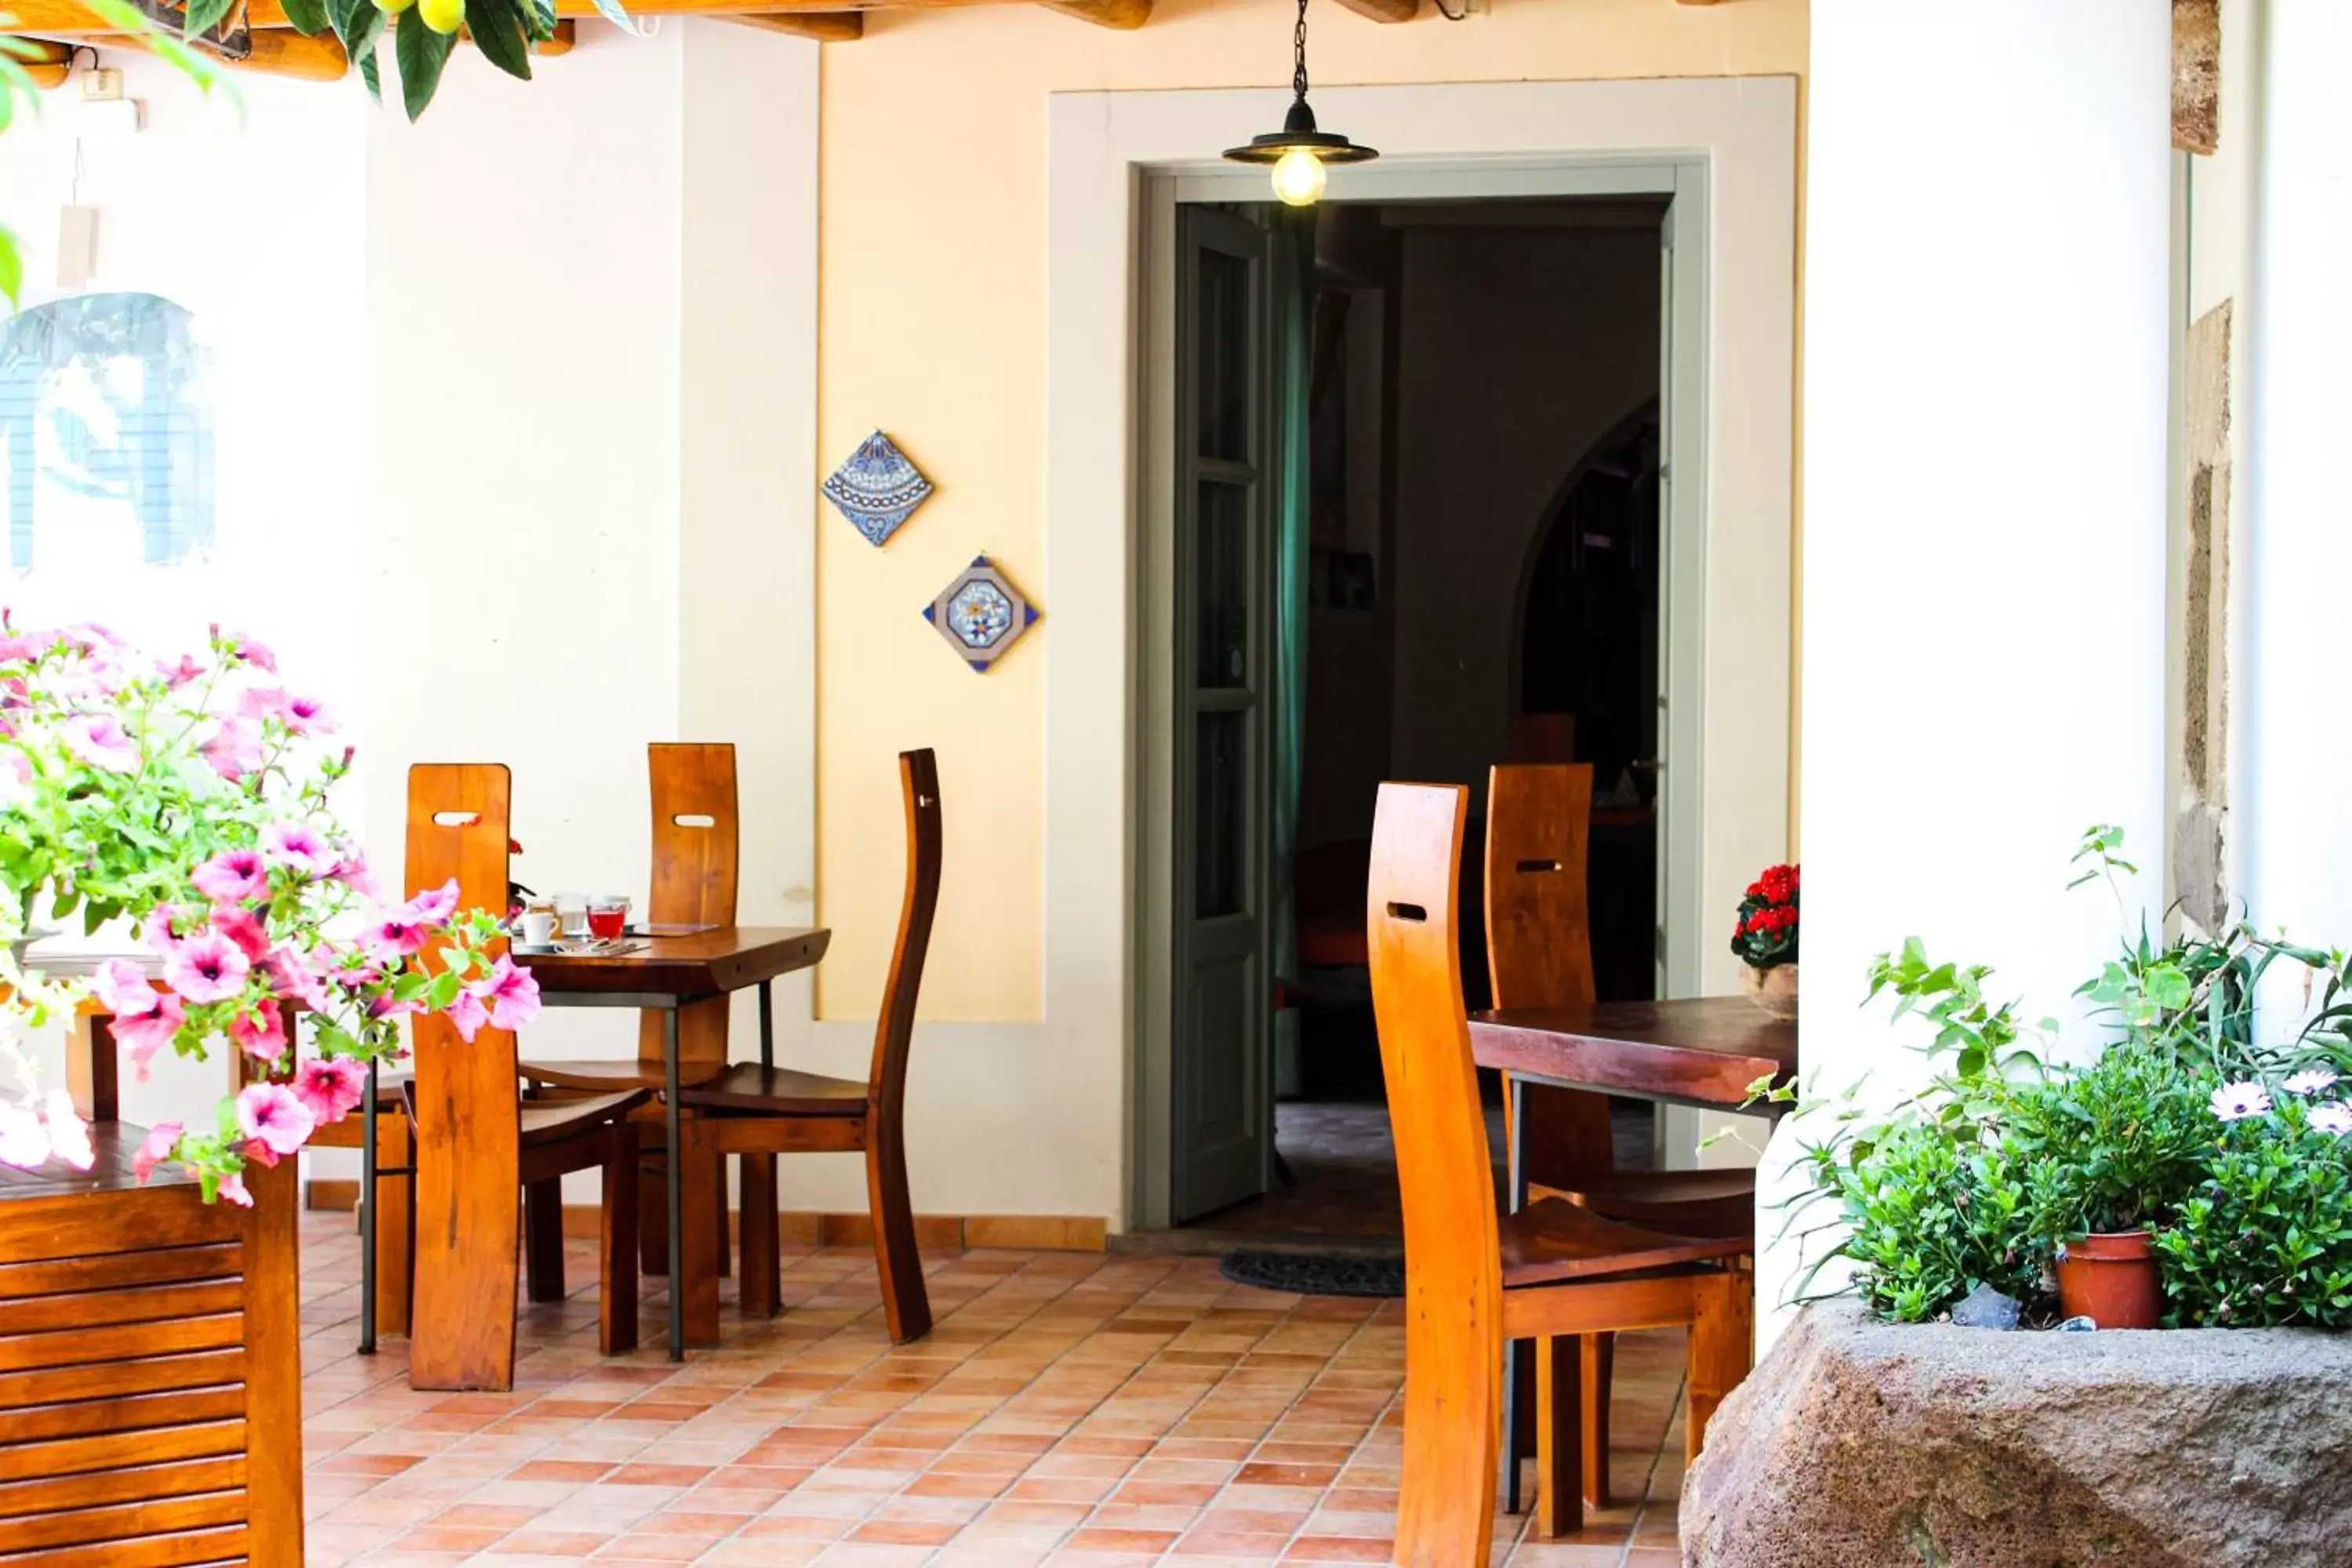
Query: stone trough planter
{"x": 1859, "y": 1444}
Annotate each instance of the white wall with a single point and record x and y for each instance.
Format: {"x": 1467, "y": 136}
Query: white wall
{"x": 2296, "y": 748}
{"x": 1985, "y": 460}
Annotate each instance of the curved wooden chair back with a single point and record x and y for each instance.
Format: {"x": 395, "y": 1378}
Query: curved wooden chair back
{"x": 467, "y": 1098}
{"x": 696, "y": 829}
{"x": 1539, "y": 944}
{"x": 696, "y": 866}
{"x": 1538, "y": 921}
{"x": 1453, "y": 1287}
{"x": 894, "y": 1032}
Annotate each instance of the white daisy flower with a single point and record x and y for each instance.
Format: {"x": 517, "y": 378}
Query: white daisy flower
{"x": 2234, "y": 1101}
{"x": 2333, "y": 1117}
{"x": 2311, "y": 1080}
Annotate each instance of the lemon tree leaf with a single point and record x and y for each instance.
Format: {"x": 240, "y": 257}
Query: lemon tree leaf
{"x": 422, "y": 53}
{"x": 497, "y": 29}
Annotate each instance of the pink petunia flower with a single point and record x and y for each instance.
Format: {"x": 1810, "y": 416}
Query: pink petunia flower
{"x": 162, "y": 1138}
{"x": 122, "y": 988}
{"x": 435, "y": 907}
{"x": 183, "y": 672}
{"x": 68, "y": 1133}
{"x": 292, "y": 978}
{"x": 243, "y": 926}
{"x": 270, "y": 1115}
{"x": 2236, "y": 1101}
{"x": 142, "y": 1034}
{"x": 99, "y": 741}
{"x": 468, "y": 1014}
{"x": 301, "y": 715}
{"x": 206, "y": 967}
{"x": 233, "y": 875}
{"x": 23, "y": 1141}
{"x": 352, "y": 872}
{"x": 259, "y": 1033}
{"x": 300, "y": 846}
{"x": 393, "y": 937}
{"x": 331, "y": 1087}
{"x": 252, "y": 651}
{"x": 511, "y": 993}
{"x": 387, "y": 1006}
{"x": 234, "y": 749}
{"x": 231, "y": 1187}
{"x": 157, "y": 930}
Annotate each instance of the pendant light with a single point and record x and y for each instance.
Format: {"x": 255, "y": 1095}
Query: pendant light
{"x": 1299, "y": 151}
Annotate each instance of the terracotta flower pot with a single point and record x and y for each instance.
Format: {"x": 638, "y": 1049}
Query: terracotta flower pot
{"x": 2112, "y": 1280}
{"x": 1773, "y": 989}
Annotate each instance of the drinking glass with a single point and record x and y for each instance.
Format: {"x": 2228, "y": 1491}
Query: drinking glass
{"x": 572, "y": 914}
{"x": 608, "y": 916}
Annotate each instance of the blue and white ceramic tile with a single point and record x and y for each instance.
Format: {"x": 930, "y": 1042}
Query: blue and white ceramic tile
{"x": 877, "y": 488}
{"x": 980, "y": 614}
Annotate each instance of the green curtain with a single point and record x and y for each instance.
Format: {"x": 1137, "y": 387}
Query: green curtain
{"x": 1293, "y": 337}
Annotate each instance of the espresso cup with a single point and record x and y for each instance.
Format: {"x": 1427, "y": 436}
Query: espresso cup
{"x": 539, "y": 928}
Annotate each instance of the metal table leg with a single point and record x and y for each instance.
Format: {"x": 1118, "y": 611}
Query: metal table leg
{"x": 675, "y": 1185}
{"x": 767, "y": 1028}
{"x": 1514, "y": 1350}
{"x": 367, "y": 1217}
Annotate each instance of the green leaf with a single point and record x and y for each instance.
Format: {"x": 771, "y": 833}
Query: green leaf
{"x": 202, "y": 15}
{"x": 612, "y": 13}
{"x": 422, "y": 53}
{"x": 498, "y": 26}
{"x": 12, "y": 268}
{"x": 370, "y": 75}
{"x": 308, "y": 18}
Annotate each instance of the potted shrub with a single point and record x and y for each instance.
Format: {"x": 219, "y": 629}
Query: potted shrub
{"x": 187, "y": 802}
{"x": 1765, "y": 941}
{"x": 2185, "y": 1175}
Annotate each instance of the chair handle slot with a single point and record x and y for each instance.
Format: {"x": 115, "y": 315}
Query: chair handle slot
{"x": 1413, "y": 913}
{"x": 694, "y": 819}
{"x": 1537, "y": 867}
{"x": 457, "y": 818}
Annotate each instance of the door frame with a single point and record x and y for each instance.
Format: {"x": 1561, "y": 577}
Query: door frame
{"x": 1109, "y": 152}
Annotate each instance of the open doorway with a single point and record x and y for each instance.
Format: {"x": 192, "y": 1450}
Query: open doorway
{"x": 1420, "y": 492}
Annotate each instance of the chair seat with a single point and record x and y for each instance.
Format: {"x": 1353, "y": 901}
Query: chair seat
{"x": 552, "y": 1121}
{"x": 1680, "y": 1202}
{"x": 778, "y": 1091}
{"x": 1553, "y": 1240}
{"x": 613, "y": 1073}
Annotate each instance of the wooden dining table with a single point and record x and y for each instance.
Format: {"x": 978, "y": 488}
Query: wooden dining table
{"x": 672, "y": 967}
{"x": 1712, "y": 1052}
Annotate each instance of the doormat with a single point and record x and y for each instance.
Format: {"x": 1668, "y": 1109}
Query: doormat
{"x": 1316, "y": 1273}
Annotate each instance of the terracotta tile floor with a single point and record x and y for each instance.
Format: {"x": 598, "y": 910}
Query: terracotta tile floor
{"x": 1076, "y": 1409}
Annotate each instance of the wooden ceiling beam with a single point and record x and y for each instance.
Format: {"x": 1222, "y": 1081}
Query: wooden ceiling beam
{"x": 1124, "y": 14}
{"x": 826, "y": 27}
{"x": 1384, "y": 10}
{"x": 71, "y": 19}
{"x": 277, "y": 51}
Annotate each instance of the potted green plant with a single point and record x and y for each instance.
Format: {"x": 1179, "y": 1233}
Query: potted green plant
{"x": 2183, "y": 1175}
{"x": 1765, "y": 941}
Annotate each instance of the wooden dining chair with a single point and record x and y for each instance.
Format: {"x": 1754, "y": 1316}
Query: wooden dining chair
{"x": 478, "y": 1144}
{"x": 758, "y": 1111}
{"x": 697, "y": 838}
{"x": 1476, "y": 1278}
{"x": 1540, "y": 955}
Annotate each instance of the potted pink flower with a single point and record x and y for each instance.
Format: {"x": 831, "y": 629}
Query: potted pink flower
{"x": 189, "y": 799}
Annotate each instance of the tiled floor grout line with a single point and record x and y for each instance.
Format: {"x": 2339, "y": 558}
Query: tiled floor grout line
{"x": 1650, "y": 1477}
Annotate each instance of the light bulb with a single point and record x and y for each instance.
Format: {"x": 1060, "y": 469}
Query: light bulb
{"x": 1298, "y": 177}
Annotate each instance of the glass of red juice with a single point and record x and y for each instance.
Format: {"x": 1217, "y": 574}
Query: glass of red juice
{"x": 608, "y": 916}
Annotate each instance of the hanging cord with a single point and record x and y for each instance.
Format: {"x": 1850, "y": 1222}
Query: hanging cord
{"x": 1298, "y": 48}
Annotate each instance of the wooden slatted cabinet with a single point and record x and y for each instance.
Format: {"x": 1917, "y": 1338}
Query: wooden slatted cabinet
{"x": 151, "y": 1409}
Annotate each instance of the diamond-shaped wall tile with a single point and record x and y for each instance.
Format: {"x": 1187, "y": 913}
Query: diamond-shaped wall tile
{"x": 877, "y": 488}
{"x": 980, "y": 614}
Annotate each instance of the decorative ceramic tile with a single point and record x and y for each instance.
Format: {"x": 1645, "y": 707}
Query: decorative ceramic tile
{"x": 877, "y": 488}
{"x": 980, "y": 614}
